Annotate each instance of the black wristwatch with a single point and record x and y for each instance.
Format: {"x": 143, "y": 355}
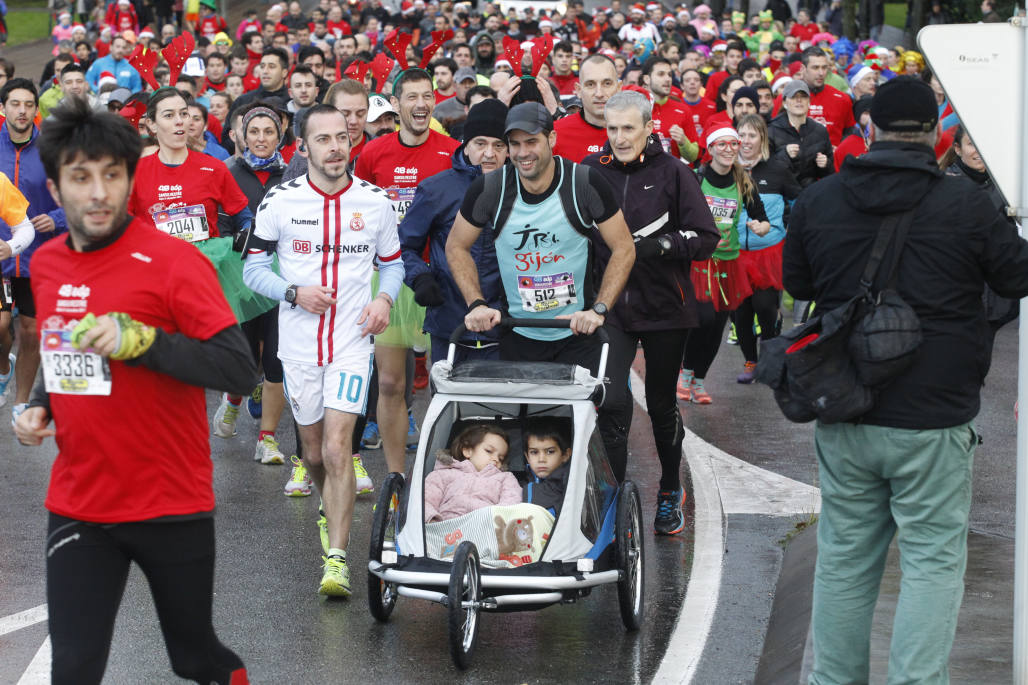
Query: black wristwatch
{"x": 665, "y": 244}
{"x": 291, "y": 295}
{"x": 600, "y": 308}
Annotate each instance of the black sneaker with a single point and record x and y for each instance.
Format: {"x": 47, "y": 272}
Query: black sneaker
{"x": 670, "y": 519}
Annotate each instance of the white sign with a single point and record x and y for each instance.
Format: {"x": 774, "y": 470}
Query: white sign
{"x": 977, "y": 65}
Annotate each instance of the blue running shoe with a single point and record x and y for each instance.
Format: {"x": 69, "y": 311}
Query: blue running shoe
{"x": 670, "y": 519}
{"x": 370, "y": 439}
{"x": 412, "y": 431}
{"x": 254, "y": 404}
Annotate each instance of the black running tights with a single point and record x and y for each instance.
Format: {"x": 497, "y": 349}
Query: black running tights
{"x": 87, "y": 565}
{"x": 763, "y": 304}
{"x": 703, "y": 343}
{"x": 662, "y": 351}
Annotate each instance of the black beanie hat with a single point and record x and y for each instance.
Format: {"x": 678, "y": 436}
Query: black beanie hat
{"x": 862, "y": 105}
{"x": 905, "y": 99}
{"x": 486, "y": 119}
{"x": 746, "y": 93}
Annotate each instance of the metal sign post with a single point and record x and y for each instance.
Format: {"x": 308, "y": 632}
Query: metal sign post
{"x": 974, "y": 64}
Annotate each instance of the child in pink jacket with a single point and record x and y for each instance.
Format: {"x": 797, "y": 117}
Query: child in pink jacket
{"x": 470, "y": 476}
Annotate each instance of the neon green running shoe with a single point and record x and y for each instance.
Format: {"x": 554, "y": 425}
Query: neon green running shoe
{"x": 732, "y": 338}
{"x": 299, "y": 484}
{"x": 364, "y": 482}
{"x": 335, "y": 581}
{"x": 267, "y": 451}
{"x": 323, "y": 532}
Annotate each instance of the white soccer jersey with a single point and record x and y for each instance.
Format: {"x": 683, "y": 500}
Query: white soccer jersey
{"x": 329, "y": 240}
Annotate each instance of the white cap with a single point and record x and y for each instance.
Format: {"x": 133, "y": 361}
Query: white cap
{"x": 377, "y": 106}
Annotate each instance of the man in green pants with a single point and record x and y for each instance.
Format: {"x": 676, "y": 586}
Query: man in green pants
{"x": 905, "y": 468}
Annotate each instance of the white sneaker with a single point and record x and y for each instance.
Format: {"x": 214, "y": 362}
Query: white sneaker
{"x": 225, "y": 419}
{"x": 5, "y": 380}
{"x": 300, "y": 482}
{"x": 16, "y": 411}
{"x": 268, "y": 451}
{"x": 364, "y": 482}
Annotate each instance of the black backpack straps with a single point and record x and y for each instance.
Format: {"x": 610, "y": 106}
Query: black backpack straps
{"x": 500, "y": 192}
{"x": 883, "y": 238}
{"x": 574, "y": 190}
{"x": 892, "y": 266}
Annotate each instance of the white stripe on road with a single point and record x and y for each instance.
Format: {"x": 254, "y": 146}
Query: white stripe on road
{"x": 721, "y": 484}
{"x": 38, "y": 672}
{"x": 22, "y": 619}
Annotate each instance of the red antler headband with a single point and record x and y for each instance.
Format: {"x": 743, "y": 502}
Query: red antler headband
{"x": 175, "y": 54}
{"x": 542, "y": 46}
{"x": 397, "y": 43}
{"x": 380, "y": 68}
{"x": 357, "y": 70}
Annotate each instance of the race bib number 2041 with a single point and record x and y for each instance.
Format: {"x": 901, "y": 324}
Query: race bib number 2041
{"x": 68, "y": 371}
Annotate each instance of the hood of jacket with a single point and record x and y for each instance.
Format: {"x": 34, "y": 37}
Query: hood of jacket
{"x": 462, "y": 165}
{"x": 891, "y": 177}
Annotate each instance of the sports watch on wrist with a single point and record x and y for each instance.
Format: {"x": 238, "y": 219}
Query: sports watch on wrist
{"x": 600, "y": 308}
{"x": 291, "y": 295}
{"x": 665, "y": 244}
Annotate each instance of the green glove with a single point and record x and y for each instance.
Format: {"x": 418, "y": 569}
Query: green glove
{"x": 134, "y": 338}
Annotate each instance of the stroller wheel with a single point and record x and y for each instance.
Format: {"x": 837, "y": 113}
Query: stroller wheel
{"x": 465, "y": 594}
{"x": 382, "y": 595}
{"x": 628, "y": 530}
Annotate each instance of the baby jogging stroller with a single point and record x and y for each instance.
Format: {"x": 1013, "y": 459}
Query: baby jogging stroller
{"x": 509, "y": 558}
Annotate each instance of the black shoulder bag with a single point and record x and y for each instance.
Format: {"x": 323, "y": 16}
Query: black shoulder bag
{"x": 832, "y": 367}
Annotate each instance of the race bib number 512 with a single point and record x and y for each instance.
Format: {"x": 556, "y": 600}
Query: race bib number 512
{"x": 68, "y": 371}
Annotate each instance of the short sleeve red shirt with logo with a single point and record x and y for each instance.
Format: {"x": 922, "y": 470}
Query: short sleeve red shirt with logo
{"x": 672, "y": 113}
{"x": 143, "y": 451}
{"x": 577, "y": 138}
{"x": 201, "y": 179}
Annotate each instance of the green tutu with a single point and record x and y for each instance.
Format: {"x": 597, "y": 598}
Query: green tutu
{"x": 406, "y": 320}
{"x": 245, "y": 303}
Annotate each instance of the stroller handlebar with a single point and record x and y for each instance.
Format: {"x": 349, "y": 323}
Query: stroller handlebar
{"x": 511, "y": 322}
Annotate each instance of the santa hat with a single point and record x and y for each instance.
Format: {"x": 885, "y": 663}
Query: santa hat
{"x": 146, "y": 33}
{"x": 719, "y": 46}
{"x": 667, "y": 18}
{"x": 859, "y": 74}
{"x": 546, "y": 24}
{"x": 795, "y": 67}
{"x": 62, "y": 15}
{"x": 722, "y": 132}
{"x": 106, "y": 77}
{"x": 637, "y": 9}
{"x": 502, "y": 63}
{"x": 406, "y": 7}
{"x": 652, "y": 6}
{"x": 779, "y": 83}
{"x": 683, "y": 14}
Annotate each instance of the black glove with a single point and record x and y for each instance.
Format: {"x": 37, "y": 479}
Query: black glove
{"x": 239, "y": 240}
{"x": 427, "y": 292}
{"x": 648, "y": 248}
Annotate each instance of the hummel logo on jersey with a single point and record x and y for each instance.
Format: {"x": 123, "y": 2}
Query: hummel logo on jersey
{"x": 305, "y": 222}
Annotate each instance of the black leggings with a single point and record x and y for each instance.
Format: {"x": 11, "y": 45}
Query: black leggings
{"x": 87, "y": 565}
{"x": 763, "y": 304}
{"x": 704, "y": 341}
{"x": 264, "y": 328}
{"x": 662, "y": 351}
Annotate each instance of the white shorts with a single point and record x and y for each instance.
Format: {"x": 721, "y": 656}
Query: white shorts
{"x": 342, "y": 385}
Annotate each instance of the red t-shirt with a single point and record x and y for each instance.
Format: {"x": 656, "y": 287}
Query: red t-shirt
{"x": 804, "y": 33}
{"x": 714, "y": 82}
{"x": 577, "y": 138}
{"x": 339, "y": 28}
{"x": 439, "y": 97}
{"x": 672, "y": 113}
{"x": 699, "y": 112}
{"x": 212, "y": 26}
{"x": 565, "y": 84}
{"x": 833, "y": 109}
{"x": 144, "y": 450}
{"x": 201, "y": 179}
{"x": 851, "y": 146}
{"x": 399, "y": 168}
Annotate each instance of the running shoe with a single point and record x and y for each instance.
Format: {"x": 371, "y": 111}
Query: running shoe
{"x": 254, "y": 406}
{"x": 749, "y": 372}
{"x": 16, "y": 411}
{"x": 335, "y": 581}
{"x": 300, "y": 483}
{"x": 670, "y": 519}
{"x": 732, "y": 338}
{"x": 685, "y": 386}
{"x": 420, "y": 373}
{"x": 364, "y": 482}
{"x": 323, "y": 531}
{"x": 225, "y": 419}
{"x": 700, "y": 394}
{"x": 370, "y": 439}
{"x": 412, "y": 431}
{"x": 268, "y": 451}
{"x": 5, "y": 380}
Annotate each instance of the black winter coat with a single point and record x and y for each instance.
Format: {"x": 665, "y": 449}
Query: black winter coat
{"x": 957, "y": 243}
{"x": 659, "y": 192}
{"x": 812, "y": 138}
{"x": 548, "y": 492}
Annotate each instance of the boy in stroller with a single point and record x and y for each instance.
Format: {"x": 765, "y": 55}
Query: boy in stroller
{"x": 548, "y": 454}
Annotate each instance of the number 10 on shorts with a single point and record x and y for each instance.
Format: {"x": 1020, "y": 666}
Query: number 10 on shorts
{"x": 351, "y": 385}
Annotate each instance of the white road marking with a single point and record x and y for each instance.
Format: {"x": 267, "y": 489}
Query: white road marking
{"x": 721, "y": 484}
{"x": 38, "y": 672}
{"x": 22, "y": 619}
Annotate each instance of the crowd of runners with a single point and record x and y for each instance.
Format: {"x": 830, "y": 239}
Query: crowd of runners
{"x": 360, "y": 180}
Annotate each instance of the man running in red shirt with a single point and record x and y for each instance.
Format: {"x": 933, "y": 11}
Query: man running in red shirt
{"x": 397, "y": 163}
{"x": 563, "y": 77}
{"x": 133, "y": 327}
{"x": 584, "y": 133}
{"x": 672, "y": 122}
{"x": 700, "y": 108}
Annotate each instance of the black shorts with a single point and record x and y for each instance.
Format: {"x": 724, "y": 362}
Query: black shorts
{"x": 21, "y": 288}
